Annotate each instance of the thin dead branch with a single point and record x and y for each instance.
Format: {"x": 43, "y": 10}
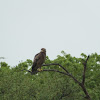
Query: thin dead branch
{"x": 56, "y": 64}
{"x": 66, "y": 73}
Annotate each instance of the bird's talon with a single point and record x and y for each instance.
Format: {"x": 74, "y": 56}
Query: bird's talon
{"x": 40, "y": 70}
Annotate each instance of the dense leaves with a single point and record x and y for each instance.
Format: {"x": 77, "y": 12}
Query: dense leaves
{"x": 16, "y": 84}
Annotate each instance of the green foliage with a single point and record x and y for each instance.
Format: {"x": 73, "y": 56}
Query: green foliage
{"x": 16, "y": 84}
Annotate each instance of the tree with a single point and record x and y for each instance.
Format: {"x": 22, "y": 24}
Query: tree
{"x": 16, "y": 84}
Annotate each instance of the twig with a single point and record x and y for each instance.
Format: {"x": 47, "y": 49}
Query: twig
{"x": 26, "y": 70}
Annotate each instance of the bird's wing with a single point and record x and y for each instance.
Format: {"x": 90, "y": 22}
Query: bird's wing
{"x": 36, "y": 58}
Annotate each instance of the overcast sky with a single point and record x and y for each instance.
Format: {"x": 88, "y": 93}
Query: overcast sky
{"x": 26, "y": 26}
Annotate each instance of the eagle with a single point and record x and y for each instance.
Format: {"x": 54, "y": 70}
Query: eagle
{"x": 39, "y": 59}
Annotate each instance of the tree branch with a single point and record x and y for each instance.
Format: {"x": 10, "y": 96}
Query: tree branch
{"x": 27, "y": 71}
{"x": 67, "y": 73}
{"x": 56, "y": 64}
{"x": 64, "y": 74}
{"x": 55, "y": 71}
{"x": 85, "y": 65}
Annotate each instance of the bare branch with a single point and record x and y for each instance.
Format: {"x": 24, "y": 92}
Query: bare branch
{"x": 68, "y": 74}
{"x": 85, "y": 64}
{"x": 64, "y": 74}
{"x": 56, "y": 64}
{"x": 55, "y": 71}
{"x": 27, "y": 70}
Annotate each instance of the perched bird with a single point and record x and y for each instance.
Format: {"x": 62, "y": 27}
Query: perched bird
{"x": 39, "y": 59}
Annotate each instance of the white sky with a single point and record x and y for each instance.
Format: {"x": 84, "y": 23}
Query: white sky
{"x": 28, "y": 25}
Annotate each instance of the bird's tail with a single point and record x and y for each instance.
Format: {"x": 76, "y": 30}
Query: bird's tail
{"x": 34, "y": 70}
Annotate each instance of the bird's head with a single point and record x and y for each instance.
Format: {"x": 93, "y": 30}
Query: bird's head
{"x": 43, "y": 50}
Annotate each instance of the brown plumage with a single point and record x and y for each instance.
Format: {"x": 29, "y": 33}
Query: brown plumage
{"x": 38, "y": 60}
